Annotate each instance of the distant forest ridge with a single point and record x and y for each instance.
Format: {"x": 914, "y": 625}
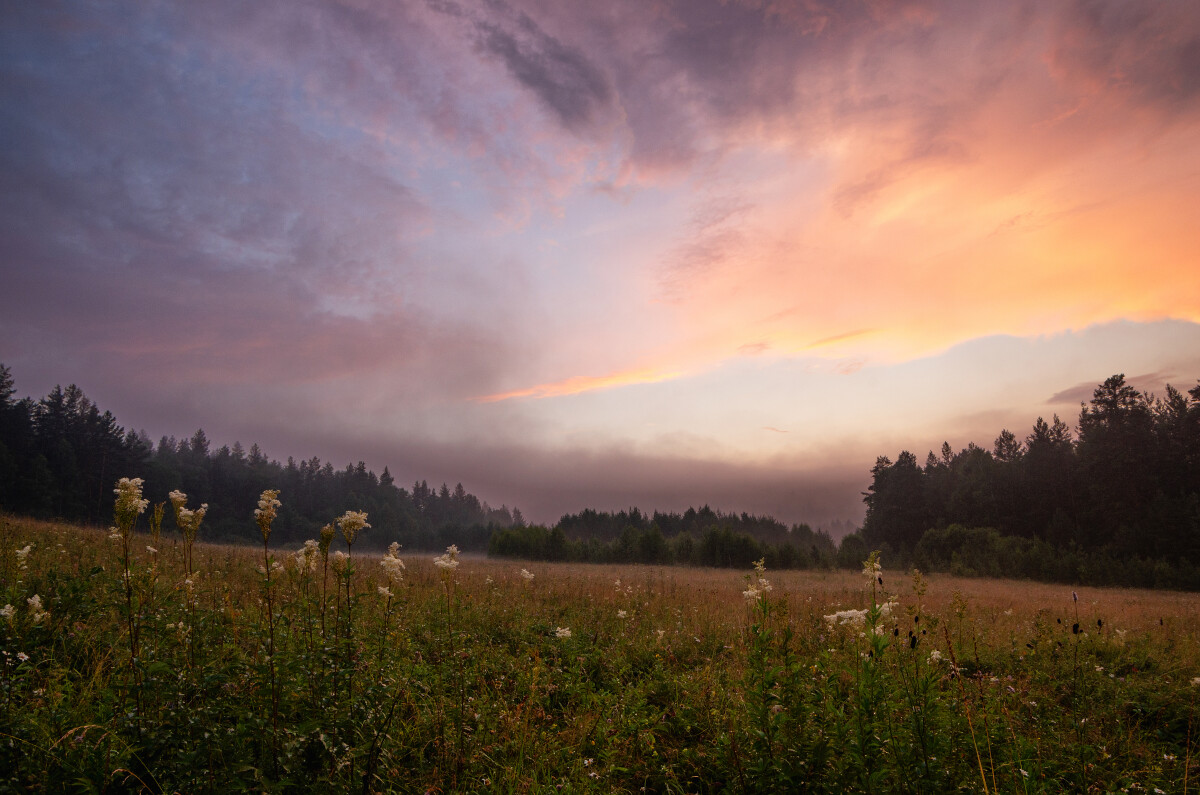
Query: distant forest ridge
{"x": 1115, "y": 501}
{"x": 60, "y": 457}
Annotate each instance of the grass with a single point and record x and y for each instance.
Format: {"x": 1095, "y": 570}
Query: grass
{"x": 266, "y": 676}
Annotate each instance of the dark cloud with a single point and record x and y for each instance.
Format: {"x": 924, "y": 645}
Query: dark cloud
{"x": 563, "y": 78}
{"x": 1147, "y": 52}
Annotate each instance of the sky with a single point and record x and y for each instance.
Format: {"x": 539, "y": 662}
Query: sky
{"x": 577, "y": 254}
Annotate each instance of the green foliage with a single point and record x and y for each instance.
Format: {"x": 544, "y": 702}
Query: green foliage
{"x": 306, "y": 677}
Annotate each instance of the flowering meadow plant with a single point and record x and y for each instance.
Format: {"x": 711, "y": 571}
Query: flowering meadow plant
{"x": 453, "y": 674}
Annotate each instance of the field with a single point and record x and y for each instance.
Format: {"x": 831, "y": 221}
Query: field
{"x": 134, "y": 662}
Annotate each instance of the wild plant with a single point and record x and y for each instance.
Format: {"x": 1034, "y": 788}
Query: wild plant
{"x": 188, "y": 521}
{"x": 447, "y": 564}
{"x": 264, "y": 516}
{"x": 129, "y": 505}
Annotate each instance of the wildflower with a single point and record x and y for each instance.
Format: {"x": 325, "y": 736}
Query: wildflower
{"x": 189, "y": 520}
{"x": 23, "y": 557}
{"x": 37, "y": 613}
{"x": 351, "y": 523}
{"x": 759, "y": 585}
{"x": 22, "y": 656}
{"x": 306, "y": 556}
{"x": 854, "y": 618}
{"x": 935, "y": 657}
{"x": 393, "y": 566}
{"x": 338, "y": 561}
{"x": 268, "y": 508}
{"x": 449, "y": 561}
{"x": 129, "y": 504}
{"x": 562, "y": 632}
{"x": 1196, "y": 680}
{"x": 327, "y": 533}
{"x": 8, "y": 611}
{"x": 871, "y": 567}
{"x": 621, "y": 614}
{"x": 527, "y": 575}
{"x": 385, "y": 592}
{"x": 151, "y": 550}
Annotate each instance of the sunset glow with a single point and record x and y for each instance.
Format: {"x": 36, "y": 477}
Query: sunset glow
{"x": 595, "y": 255}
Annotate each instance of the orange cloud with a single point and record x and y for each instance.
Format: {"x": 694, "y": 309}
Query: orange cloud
{"x": 583, "y": 383}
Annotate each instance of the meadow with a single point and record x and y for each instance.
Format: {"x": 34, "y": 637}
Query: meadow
{"x": 138, "y": 661}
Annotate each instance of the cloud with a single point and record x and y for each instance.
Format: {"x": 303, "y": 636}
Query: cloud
{"x": 563, "y": 78}
{"x": 1152, "y": 383}
{"x": 581, "y": 383}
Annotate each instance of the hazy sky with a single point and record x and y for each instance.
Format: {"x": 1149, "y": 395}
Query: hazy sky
{"x": 600, "y": 254}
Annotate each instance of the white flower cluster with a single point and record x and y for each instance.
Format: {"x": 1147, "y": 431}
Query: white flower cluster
{"x": 129, "y": 496}
{"x": 8, "y": 612}
{"x": 448, "y": 561}
{"x": 268, "y": 505}
{"x": 758, "y": 584}
{"x": 338, "y": 561}
{"x": 393, "y": 566}
{"x": 562, "y": 632}
{"x": 855, "y": 618}
{"x": 306, "y": 556}
{"x": 23, "y": 557}
{"x": 189, "y": 520}
{"x": 935, "y": 657}
{"x": 37, "y": 613}
{"x": 527, "y": 575}
{"x": 265, "y": 513}
{"x": 351, "y": 523}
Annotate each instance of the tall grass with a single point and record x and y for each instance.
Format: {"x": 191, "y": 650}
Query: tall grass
{"x": 215, "y": 669}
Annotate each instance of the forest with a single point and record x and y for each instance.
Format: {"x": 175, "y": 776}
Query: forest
{"x": 1113, "y": 501}
{"x": 61, "y": 455}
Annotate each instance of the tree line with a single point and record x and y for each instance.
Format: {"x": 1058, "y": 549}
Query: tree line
{"x": 61, "y": 455}
{"x": 703, "y": 537}
{"x": 1116, "y": 501}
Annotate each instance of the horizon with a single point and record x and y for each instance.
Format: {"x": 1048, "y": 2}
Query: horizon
{"x": 646, "y": 254}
